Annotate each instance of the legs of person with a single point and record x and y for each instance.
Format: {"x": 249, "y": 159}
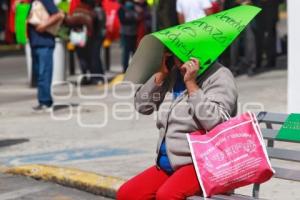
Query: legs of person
{"x": 132, "y": 44}
{"x": 96, "y": 64}
{"x": 83, "y": 62}
{"x": 35, "y": 66}
{"x": 225, "y": 58}
{"x": 107, "y": 58}
{"x": 259, "y": 43}
{"x": 129, "y": 49}
{"x": 82, "y": 59}
{"x": 271, "y": 44}
{"x": 250, "y": 55}
{"x": 45, "y": 70}
{"x": 234, "y": 52}
{"x": 126, "y": 52}
{"x": 143, "y": 186}
{"x": 180, "y": 185}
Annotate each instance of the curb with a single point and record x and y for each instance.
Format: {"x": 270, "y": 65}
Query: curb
{"x": 90, "y": 182}
{"x": 8, "y": 48}
{"x": 115, "y": 81}
{"x": 3, "y": 169}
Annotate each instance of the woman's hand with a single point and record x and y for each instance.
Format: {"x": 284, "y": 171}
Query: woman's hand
{"x": 163, "y": 72}
{"x": 189, "y": 71}
{"x": 41, "y": 28}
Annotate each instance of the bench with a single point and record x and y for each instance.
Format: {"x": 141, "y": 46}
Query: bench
{"x": 270, "y": 124}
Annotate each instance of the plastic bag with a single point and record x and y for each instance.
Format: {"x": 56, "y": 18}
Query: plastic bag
{"x": 231, "y": 155}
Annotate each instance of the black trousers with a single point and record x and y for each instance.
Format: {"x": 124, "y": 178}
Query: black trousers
{"x": 90, "y": 60}
{"x": 265, "y": 41}
{"x": 129, "y": 47}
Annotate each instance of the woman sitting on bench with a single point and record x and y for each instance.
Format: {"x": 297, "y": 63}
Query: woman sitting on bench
{"x": 198, "y": 103}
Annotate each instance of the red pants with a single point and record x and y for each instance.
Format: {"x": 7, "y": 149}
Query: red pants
{"x": 154, "y": 183}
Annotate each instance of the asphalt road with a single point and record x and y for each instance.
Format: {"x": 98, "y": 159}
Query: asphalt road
{"x": 23, "y": 188}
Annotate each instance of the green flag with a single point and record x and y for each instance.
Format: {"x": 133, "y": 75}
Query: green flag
{"x": 22, "y": 10}
{"x": 290, "y": 130}
{"x": 205, "y": 39}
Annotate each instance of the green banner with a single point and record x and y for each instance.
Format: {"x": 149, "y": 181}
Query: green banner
{"x": 290, "y": 130}
{"x": 207, "y": 37}
{"x": 22, "y": 10}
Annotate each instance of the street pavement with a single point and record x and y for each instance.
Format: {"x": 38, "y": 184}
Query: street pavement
{"x": 104, "y": 134}
{"x": 23, "y": 188}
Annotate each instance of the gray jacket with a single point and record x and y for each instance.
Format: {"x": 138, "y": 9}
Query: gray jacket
{"x": 203, "y": 110}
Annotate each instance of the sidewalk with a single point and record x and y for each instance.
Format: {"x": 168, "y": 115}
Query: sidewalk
{"x": 122, "y": 148}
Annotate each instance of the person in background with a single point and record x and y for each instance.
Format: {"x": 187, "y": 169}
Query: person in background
{"x": 230, "y": 55}
{"x": 166, "y": 14}
{"x": 240, "y": 56}
{"x": 88, "y": 15}
{"x": 111, "y": 8}
{"x": 144, "y": 19}
{"x": 128, "y": 19}
{"x": 97, "y": 40}
{"x": 266, "y": 33}
{"x": 188, "y": 10}
{"x": 42, "y": 46}
{"x": 216, "y": 6}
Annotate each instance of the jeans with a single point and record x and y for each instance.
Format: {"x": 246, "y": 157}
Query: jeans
{"x": 42, "y": 64}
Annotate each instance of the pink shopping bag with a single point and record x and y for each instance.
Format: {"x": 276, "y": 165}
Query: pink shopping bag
{"x": 231, "y": 155}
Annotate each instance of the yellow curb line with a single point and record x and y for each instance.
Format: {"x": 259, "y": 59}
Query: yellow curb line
{"x": 3, "y": 169}
{"x": 90, "y": 182}
{"x": 116, "y": 80}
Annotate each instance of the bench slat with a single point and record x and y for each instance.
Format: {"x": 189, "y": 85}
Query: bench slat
{"x": 287, "y": 174}
{"x": 274, "y": 118}
{"x": 224, "y": 197}
{"x": 284, "y": 154}
{"x": 270, "y": 134}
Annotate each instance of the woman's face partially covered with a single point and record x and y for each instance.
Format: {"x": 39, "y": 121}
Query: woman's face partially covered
{"x": 178, "y": 63}
{"x": 172, "y": 61}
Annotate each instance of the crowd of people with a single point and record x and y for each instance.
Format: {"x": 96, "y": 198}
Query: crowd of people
{"x": 254, "y": 51}
{"x": 135, "y": 21}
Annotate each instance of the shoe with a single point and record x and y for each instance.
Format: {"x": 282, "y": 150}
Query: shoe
{"x": 85, "y": 81}
{"x": 97, "y": 81}
{"x": 42, "y": 108}
{"x": 253, "y": 71}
